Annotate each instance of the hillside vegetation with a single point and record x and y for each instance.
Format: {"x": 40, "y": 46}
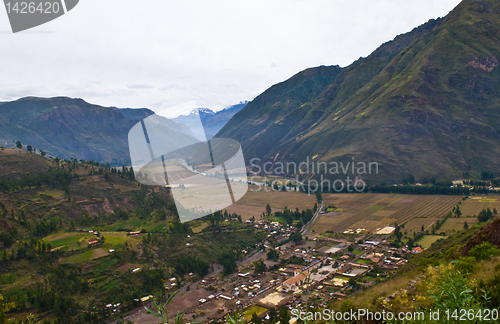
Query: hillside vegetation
{"x": 65, "y": 248}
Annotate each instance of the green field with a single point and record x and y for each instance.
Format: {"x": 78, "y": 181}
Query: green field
{"x": 69, "y": 241}
{"x": 116, "y": 240}
{"x": 457, "y": 224}
{"x": 427, "y": 240}
{"x": 247, "y": 314}
{"x": 280, "y": 220}
{"x": 85, "y": 256}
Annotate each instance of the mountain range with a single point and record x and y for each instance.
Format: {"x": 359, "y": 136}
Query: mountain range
{"x": 73, "y": 128}
{"x": 212, "y": 121}
{"x": 425, "y": 104}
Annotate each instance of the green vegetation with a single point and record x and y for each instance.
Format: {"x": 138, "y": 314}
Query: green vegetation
{"x": 65, "y": 240}
{"x": 254, "y": 309}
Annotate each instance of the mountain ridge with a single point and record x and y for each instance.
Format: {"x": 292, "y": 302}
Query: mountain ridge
{"x": 212, "y": 121}
{"x": 73, "y": 128}
{"x": 421, "y": 104}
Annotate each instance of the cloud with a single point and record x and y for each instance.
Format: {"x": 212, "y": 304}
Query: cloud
{"x": 137, "y": 54}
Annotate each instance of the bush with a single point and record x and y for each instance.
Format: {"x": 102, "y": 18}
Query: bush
{"x": 466, "y": 264}
{"x": 484, "y": 251}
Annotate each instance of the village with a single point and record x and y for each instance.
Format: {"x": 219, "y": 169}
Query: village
{"x": 317, "y": 268}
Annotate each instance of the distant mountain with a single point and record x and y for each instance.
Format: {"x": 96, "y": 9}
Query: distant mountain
{"x": 134, "y": 114}
{"x": 212, "y": 121}
{"x": 425, "y": 104}
{"x": 69, "y": 128}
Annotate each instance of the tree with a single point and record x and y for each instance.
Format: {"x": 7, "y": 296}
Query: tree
{"x": 485, "y": 215}
{"x": 228, "y": 261}
{"x": 268, "y": 210}
{"x": 353, "y": 283}
{"x": 466, "y": 225}
{"x": 484, "y": 251}
{"x": 399, "y": 234}
{"x": 319, "y": 197}
{"x": 284, "y": 317}
{"x": 43, "y": 153}
{"x": 410, "y": 243}
{"x": 3, "y": 318}
{"x": 259, "y": 266}
{"x": 273, "y": 315}
{"x": 272, "y": 254}
{"x": 19, "y": 144}
{"x": 29, "y": 148}
{"x": 296, "y": 237}
{"x": 458, "y": 212}
{"x": 256, "y": 319}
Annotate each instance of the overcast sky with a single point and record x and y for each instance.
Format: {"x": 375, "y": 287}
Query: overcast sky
{"x": 160, "y": 53}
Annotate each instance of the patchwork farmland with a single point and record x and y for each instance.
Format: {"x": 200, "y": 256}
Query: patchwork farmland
{"x": 373, "y": 211}
{"x": 473, "y": 206}
{"x": 368, "y": 210}
{"x": 256, "y": 199}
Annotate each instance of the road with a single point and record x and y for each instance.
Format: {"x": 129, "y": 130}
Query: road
{"x": 305, "y": 228}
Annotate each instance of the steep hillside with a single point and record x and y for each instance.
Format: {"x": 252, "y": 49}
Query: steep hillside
{"x": 69, "y": 128}
{"x": 43, "y": 188}
{"x": 424, "y": 104}
{"x": 65, "y": 248}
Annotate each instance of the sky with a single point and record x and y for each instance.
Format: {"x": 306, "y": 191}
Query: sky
{"x": 160, "y": 54}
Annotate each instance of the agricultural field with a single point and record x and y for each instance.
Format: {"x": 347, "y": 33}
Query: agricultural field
{"x": 247, "y": 314}
{"x": 255, "y": 200}
{"x": 69, "y": 241}
{"x": 85, "y": 256}
{"x": 374, "y": 211}
{"x": 473, "y": 206}
{"x": 415, "y": 224}
{"x": 457, "y": 224}
{"x": 79, "y": 240}
{"x": 427, "y": 240}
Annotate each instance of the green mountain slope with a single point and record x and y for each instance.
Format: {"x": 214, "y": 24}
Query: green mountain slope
{"x": 424, "y": 104}
{"x": 70, "y": 128}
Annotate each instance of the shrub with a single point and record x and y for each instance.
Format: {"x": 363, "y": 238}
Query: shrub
{"x": 484, "y": 251}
